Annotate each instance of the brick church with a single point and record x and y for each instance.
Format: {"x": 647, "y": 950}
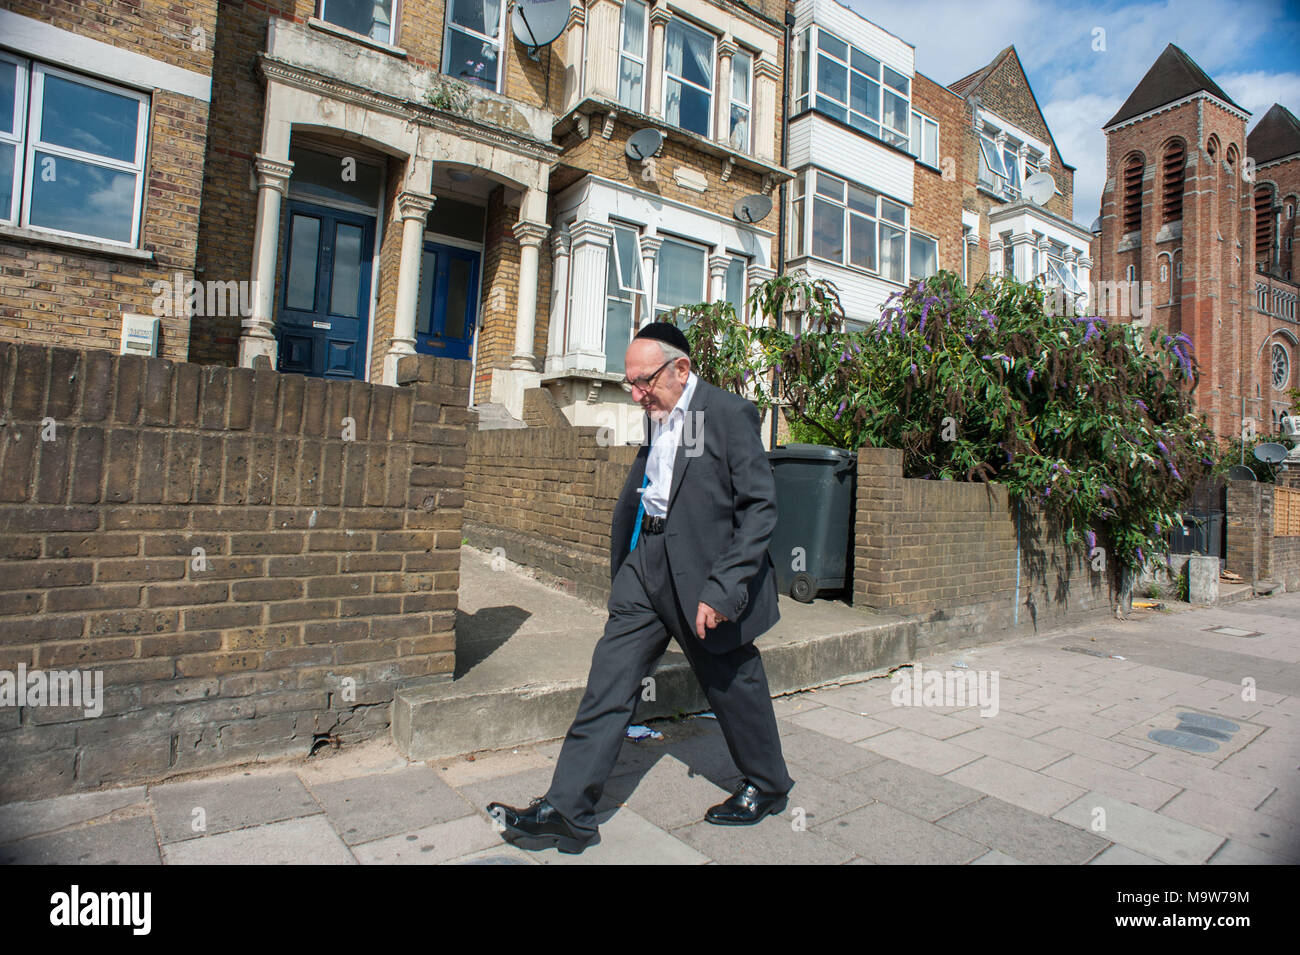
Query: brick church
{"x": 1200, "y": 217}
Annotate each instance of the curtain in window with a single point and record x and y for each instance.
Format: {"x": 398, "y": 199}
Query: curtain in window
{"x": 481, "y": 16}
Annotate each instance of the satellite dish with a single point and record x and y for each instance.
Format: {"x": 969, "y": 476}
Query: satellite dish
{"x": 753, "y": 208}
{"x": 1239, "y": 472}
{"x": 539, "y": 22}
{"x": 1270, "y": 453}
{"x": 1039, "y": 188}
{"x": 643, "y": 144}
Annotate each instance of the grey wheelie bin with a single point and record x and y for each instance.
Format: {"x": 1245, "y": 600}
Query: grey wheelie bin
{"x": 815, "y": 488}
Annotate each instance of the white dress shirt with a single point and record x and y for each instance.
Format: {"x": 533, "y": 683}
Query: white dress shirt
{"x": 666, "y": 437}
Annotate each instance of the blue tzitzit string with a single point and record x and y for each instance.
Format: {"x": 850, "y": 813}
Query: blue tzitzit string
{"x": 640, "y": 506}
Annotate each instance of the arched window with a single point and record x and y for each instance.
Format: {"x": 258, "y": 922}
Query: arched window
{"x": 1164, "y": 271}
{"x": 1280, "y": 367}
{"x": 1131, "y": 273}
{"x": 1175, "y": 156}
{"x": 1133, "y": 194}
{"x": 1212, "y": 148}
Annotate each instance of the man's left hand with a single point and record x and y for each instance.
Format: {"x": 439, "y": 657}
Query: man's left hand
{"x": 706, "y": 616}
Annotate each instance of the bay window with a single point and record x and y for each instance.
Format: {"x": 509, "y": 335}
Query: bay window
{"x": 683, "y": 275}
{"x": 735, "y": 291}
{"x": 742, "y": 71}
{"x": 850, "y": 225}
{"x": 472, "y": 41}
{"x": 370, "y": 18}
{"x": 632, "y": 56}
{"x": 72, "y": 153}
{"x": 925, "y": 139}
{"x": 855, "y": 88}
{"x": 688, "y": 77}
{"x": 893, "y": 239}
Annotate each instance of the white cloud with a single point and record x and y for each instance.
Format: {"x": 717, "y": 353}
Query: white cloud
{"x": 1257, "y": 90}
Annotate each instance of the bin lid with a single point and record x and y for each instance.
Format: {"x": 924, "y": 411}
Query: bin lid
{"x": 808, "y": 452}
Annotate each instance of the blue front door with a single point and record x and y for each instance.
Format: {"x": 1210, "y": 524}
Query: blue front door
{"x": 325, "y": 305}
{"x": 448, "y": 306}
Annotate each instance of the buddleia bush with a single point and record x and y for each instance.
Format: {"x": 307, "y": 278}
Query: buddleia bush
{"x": 1087, "y": 418}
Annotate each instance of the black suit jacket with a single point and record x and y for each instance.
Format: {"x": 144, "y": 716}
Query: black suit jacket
{"x": 721, "y": 512}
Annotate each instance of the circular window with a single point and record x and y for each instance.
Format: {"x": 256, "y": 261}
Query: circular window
{"x": 1281, "y": 367}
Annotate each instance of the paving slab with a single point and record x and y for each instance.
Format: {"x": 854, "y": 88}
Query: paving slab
{"x": 1108, "y": 751}
{"x": 825, "y": 756}
{"x": 668, "y": 794}
{"x": 18, "y": 820}
{"x": 384, "y": 804}
{"x": 1188, "y": 772}
{"x": 912, "y": 790}
{"x": 1123, "y": 855}
{"x": 189, "y": 810}
{"x": 993, "y": 857}
{"x": 886, "y": 835}
{"x": 626, "y": 839}
{"x": 1028, "y": 753}
{"x": 923, "y": 752}
{"x": 1024, "y": 835}
{"x": 1258, "y": 830}
{"x": 1152, "y": 834}
{"x": 431, "y": 844}
{"x": 840, "y": 724}
{"x": 1088, "y": 773}
{"x": 819, "y": 799}
{"x": 773, "y": 841}
{"x": 306, "y": 841}
{"x": 1016, "y": 785}
{"x": 127, "y": 842}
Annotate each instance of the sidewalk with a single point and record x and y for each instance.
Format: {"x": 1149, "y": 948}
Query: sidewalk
{"x": 1064, "y": 773}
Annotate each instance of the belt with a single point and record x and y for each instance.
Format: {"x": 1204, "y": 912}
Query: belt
{"x": 653, "y": 525}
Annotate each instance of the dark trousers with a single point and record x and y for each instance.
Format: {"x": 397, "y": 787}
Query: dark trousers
{"x": 643, "y": 613}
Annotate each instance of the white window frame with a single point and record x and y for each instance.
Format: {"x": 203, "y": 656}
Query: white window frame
{"x": 746, "y": 106}
{"x": 641, "y": 59}
{"x": 37, "y": 86}
{"x": 498, "y": 42}
{"x": 920, "y": 123}
{"x": 660, "y": 309}
{"x": 989, "y": 151}
{"x": 880, "y": 223}
{"x": 679, "y": 22}
{"x": 741, "y": 313}
{"x": 16, "y": 136}
{"x": 912, "y": 237}
{"x": 392, "y": 22}
{"x": 900, "y": 138}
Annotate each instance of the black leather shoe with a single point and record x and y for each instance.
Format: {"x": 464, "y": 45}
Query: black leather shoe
{"x": 746, "y": 806}
{"x": 540, "y": 826}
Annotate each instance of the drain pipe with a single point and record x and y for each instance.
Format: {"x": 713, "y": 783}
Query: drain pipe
{"x": 780, "y": 219}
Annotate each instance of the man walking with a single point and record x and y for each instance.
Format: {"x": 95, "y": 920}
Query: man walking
{"x": 688, "y": 560}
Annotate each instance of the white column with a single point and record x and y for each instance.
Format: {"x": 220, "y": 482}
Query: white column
{"x": 530, "y": 236}
{"x": 718, "y": 276}
{"x": 602, "y": 49}
{"x": 258, "y": 335}
{"x": 585, "y": 347}
{"x": 722, "y": 115}
{"x": 766, "y": 74}
{"x": 650, "y": 245}
{"x": 557, "y": 334}
{"x": 758, "y": 274}
{"x": 412, "y": 209}
{"x": 575, "y": 54}
{"x": 660, "y": 16}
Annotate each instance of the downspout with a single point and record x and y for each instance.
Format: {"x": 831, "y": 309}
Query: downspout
{"x": 780, "y": 220}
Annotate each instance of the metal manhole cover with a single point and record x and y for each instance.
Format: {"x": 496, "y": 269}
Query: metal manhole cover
{"x": 1181, "y": 740}
{"x": 1233, "y": 632}
{"x": 1196, "y": 732}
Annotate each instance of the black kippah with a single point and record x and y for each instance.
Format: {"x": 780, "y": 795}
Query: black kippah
{"x": 665, "y": 332}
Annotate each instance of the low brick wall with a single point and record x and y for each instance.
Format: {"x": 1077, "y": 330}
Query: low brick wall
{"x": 1256, "y": 548}
{"x": 247, "y": 577}
{"x": 545, "y": 496}
{"x": 961, "y": 555}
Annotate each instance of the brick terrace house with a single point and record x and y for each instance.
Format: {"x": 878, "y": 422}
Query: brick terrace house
{"x": 898, "y": 176}
{"x": 1206, "y": 215}
{"x": 388, "y": 178}
{"x": 103, "y": 127}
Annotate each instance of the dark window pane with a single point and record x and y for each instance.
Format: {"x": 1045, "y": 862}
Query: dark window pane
{"x": 831, "y": 108}
{"x": 8, "y": 84}
{"x": 321, "y": 176}
{"x": 828, "y": 230}
{"x": 471, "y": 60}
{"x": 481, "y": 16}
{"x": 832, "y": 79}
{"x": 82, "y": 198}
{"x": 89, "y": 119}
{"x": 458, "y": 297}
{"x": 897, "y": 80}
{"x": 7, "y": 153}
{"x": 687, "y": 107}
{"x": 862, "y": 242}
{"x": 428, "y": 283}
{"x": 831, "y": 45}
{"x": 867, "y": 64}
{"x": 345, "y": 289}
{"x": 457, "y": 219}
{"x": 304, "y": 248}
{"x": 372, "y": 18}
{"x": 860, "y": 92}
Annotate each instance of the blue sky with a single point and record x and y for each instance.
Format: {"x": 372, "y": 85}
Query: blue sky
{"x": 1250, "y": 48}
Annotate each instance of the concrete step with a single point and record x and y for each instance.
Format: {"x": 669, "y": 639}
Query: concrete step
{"x": 523, "y": 652}
{"x": 1267, "y": 588}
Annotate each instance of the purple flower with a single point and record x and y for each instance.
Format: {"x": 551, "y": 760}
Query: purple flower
{"x": 844, "y": 357}
{"x": 1047, "y": 493}
{"x": 914, "y": 368}
{"x": 1174, "y": 471}
{"x": 1091, "y": 538}
{"x": 1140, "y": 557}
{"x": 857, "y": 349}
{"x": 841, "y": 411}
{"x": 1029, "y": 375}
{"x": 928, "y": 348}
{"x": 1140, "y": 403}
{"x": 988, "y": 317}
{"x": 1163, "y": 450}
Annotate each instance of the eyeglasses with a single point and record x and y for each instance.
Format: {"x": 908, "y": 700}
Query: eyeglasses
{"x": 645, "y": 382}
